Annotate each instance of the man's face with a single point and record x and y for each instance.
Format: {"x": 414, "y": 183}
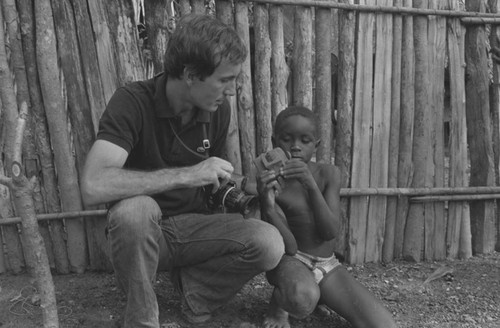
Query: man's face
{"x": 209, "y": 94}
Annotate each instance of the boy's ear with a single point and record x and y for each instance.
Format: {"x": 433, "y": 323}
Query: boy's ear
{"x": 317, "y": 143}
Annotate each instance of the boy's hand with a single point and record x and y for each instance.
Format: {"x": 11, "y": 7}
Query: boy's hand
{"x": 268, "y": 187}
{"x": 297, "y": 169}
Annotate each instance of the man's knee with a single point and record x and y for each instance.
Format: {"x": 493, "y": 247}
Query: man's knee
{"x": 269, "y": 242}
{"x": 133, "y": 216}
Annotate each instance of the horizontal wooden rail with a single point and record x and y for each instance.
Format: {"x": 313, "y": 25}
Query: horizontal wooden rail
{"x": 375, "y": 9}
{"x": 55, "y": 216}
{"x": 415, "y": 194}
{"x": 454, "y": 198}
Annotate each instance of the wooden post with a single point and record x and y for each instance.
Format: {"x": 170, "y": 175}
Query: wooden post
{"x": 479, "y": 133}
{"x": 44, "y": 149}
{"x": 435, "y": 234}
{"x": 345, "y": 107}
{"x": 405, "y": 165}
{"x": 246, "y": 114}
{"x": 361, "y": 157}
{"x": 323, "y": 83}
{"x": 495, "y": 110}
{"x": 302, "y": 57}
{"x": 379, "y": 168}
{"x": 458, "y": 238}
{"x": 105, "y": 48}
{"x": 262, "y": 78}
{"x": 279, "y": 68}
{"x": 392, "y": 179}
{"x": 157, "y": 19}
{"x": 54, "y": 103}
{"x": 198, "y": 6}
{"x": 414, "y": 230}
{"x": 224, "y": 12}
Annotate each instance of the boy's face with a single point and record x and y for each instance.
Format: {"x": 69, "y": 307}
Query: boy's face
{"x": 296, "y": 135}
{"x": 209, "y": 94}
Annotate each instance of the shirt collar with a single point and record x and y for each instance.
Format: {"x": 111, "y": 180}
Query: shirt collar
{"x": 162, "y": 109}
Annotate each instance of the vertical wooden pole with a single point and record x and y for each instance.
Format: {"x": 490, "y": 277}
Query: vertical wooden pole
{"x": 43, "y": 147}
{"x": 479, "y": 135}
{"x": 323, "y": 83}
{"x": 345, "y": 107}
{"x": 279, "y": 68}
{"x": 435, "y": 235}
{"x": 363, "y": 116}
{"x": 379, "y": 168}
{"x": 302, "y": 58}
{"x": 414, "y": 230}
{"x": 458, "y": 239}
{"x": 405, "y": 165}
{"x": 495, "y": 110}
{"x": 105, "y": 49}
{"x": 224, "y": 11}
{"x": 51, "y": 87}
{"x": 392, "y": 180}
{"x": 246, "y": 114}
{"x": 198, "y": 6}
{"x": 157, "y": 18}
{"x": 262, "y": 78}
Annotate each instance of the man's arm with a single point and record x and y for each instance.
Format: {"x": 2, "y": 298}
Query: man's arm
{"x": 104, "y": 179}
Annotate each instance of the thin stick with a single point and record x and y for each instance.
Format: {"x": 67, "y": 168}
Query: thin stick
{"x": 55, "y": 216}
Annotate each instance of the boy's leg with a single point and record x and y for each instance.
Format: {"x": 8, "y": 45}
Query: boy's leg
{"x": 350, "y": 299}
{"x": 295, "y": 292}
{"x": 136, "y": 244}
{"x": 215, "y": 255}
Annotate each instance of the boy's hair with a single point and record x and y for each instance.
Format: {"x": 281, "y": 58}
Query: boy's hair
{"x": 292, "y": 111}
{"x": 200, "y": 43}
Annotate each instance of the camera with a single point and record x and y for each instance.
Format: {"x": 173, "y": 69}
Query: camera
{"x": 272, "y": 160}
{"x": 232, "y": 199}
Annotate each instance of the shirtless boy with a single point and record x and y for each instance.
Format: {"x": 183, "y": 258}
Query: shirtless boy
{"x": 305, "y": 209}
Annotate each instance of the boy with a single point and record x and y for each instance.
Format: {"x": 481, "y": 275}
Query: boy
{"x": 305, "y": 209}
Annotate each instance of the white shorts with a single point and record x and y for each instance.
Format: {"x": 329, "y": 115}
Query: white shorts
{"x": 319, "y": 266}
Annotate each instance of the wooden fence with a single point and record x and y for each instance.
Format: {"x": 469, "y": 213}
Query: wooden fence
{"x": 405, "y": 95}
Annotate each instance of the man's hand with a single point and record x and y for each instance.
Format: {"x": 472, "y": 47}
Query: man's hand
{"x": 213, "y": 171}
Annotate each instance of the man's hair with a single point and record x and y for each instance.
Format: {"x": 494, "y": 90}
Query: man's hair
{"x": 292, "y": 111}
{"x": 200, "y": 43}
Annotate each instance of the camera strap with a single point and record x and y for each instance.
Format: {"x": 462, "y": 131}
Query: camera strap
{"x": 205, "y": 143}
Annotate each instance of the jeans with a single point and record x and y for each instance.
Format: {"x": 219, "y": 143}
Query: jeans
{"x": 212, "y": 256}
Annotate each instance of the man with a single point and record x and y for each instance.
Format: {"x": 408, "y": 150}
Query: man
{"x": 156, "y": 160}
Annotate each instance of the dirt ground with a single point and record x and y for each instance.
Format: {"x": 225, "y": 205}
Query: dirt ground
{"x": 458, "y": 294}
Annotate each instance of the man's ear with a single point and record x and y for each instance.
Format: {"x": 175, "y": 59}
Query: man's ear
{"x": 188, "y": 75}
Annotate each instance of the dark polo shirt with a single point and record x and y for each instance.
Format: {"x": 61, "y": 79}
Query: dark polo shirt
{"x": 137, "y": 119}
